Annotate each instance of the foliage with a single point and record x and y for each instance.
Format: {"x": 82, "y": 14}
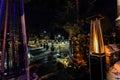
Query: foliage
{"x": 67, "y": 13}
{"x": 71, "y": 29}
{"x": 83, "y": 43}
{"x": 81, "y": 46}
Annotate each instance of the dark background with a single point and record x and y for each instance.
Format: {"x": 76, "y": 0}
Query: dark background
{"x": 45, "y": 14}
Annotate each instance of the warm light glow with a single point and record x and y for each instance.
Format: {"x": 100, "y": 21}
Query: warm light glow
{"x": 118, "y": 13}
{"x": 117, "y": 66}
{"x": 118, "y": 2}
{"x": 96, "y": 39}
{"x": 108, "y": 51}
{"x": 96, "y": 47}
{"x": 118, "y": 7}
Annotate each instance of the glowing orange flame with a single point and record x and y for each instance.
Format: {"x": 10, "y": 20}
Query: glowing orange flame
{"x": 96, "y": 39}
{"x": 95, "y": 43}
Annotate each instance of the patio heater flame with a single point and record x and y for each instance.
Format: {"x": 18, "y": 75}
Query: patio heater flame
{"x": 96, "y": 47}
{"x": 96, "y": 39}
{"x": 97, "y": 54}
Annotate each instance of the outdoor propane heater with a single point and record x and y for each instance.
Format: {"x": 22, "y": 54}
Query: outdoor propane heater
{"x": 97, "y": 64}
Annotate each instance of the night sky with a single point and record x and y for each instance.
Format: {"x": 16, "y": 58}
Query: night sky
{"x": 41, "y": 14}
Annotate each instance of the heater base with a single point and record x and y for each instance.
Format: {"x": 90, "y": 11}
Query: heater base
{"x": 98, "y": 66}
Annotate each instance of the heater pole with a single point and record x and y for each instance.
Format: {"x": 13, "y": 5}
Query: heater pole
{"x": 101, "y": 67}
{"x": 4, "y": 41}
{"x": 24, "y": 38}
{"x": 89, "y": 66}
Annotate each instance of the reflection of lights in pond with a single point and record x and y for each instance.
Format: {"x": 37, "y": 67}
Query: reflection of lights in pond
{"x": 44, "y": 32}
{"x": 59, "y": 35}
